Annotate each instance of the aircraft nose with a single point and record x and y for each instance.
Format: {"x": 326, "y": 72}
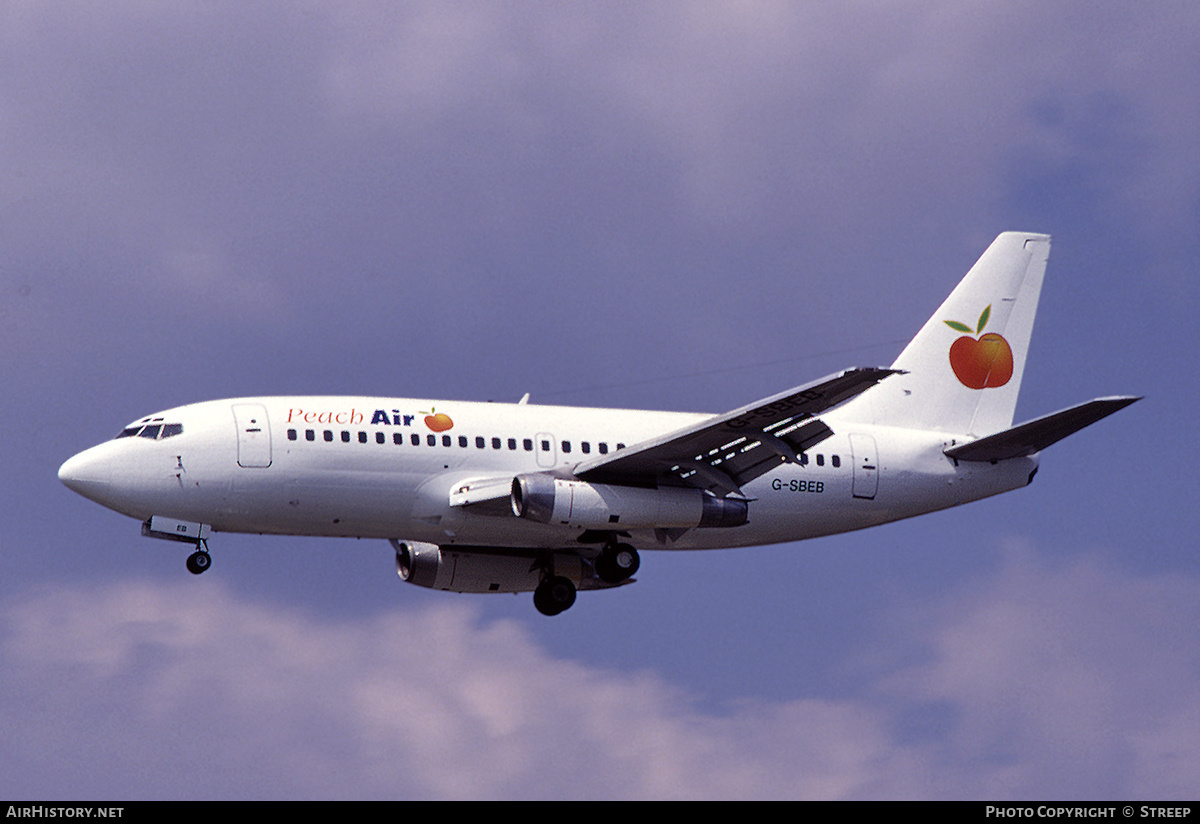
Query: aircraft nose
{"x": 86, "y": 474}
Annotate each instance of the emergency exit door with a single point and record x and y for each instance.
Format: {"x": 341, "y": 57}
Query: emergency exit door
{"x": 866, "y": 466}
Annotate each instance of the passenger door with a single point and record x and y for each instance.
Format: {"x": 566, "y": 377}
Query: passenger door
{"x": 253, "y": 434}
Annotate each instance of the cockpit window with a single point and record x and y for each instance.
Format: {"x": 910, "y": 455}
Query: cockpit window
{"x": 155, "y": 431}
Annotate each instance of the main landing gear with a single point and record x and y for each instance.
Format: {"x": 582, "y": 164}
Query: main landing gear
{"x": 555, "y": 594}
{"x": 615, "y": 563}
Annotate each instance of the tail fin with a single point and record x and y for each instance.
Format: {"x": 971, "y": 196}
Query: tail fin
{"x": 963, "y": 369}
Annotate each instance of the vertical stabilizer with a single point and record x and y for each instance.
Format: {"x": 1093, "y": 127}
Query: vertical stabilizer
{"x": 964, "y": 368}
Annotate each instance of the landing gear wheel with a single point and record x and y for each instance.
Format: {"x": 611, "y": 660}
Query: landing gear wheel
{"x": 554, "y": 595}
{"x": 198, "y": 561}
{"x": 616, "y": 563}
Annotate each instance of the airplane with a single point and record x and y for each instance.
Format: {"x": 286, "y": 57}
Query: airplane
{"x": 489, "y": 497}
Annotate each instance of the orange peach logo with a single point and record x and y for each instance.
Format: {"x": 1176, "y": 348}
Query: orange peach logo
{"x": 437, "y": 421}
{"x": 980, "y": 362}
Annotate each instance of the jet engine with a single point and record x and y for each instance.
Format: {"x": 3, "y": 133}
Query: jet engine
{"x": 583, "y": 505}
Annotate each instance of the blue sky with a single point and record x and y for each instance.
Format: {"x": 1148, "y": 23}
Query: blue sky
{"x": 675, "y": 205}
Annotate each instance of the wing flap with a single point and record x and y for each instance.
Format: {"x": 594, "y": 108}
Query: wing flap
{"x": 724, "y": 452}
{"x": 1034, "y": 436}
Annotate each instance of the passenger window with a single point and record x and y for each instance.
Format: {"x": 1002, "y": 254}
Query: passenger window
{"x": 345, "y": 436}
{"x": 462, "y": 441}
{"x": 603, "y": 448}
{"x": 398, "y": 439}
{"x": 545, "y": 446}
{"x": 292, "y": 435}
{"x": 512, "y": 443}
{"x": 328, "y": 436}
{"x": 416, "y": 439}
{"x": 836, "y": 460}
{"x": 446, "y": 440}
{"x": 431, "y": 440}
{"x": 528, "y": 444}
{"x": 380, "y": 437}
{"x": 480, "y": 443}
{"x": 566, "y": 447}
{"x": 362, "y": 437}
{"x": 820, "y": 460}
{"x": 585, "y": 448}
{"x": 804, "y": 459}
{"x": 495, "y": 443}
{"x": 310, "y": 435}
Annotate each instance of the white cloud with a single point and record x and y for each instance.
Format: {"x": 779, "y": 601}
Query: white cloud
{"x": 1080, "y": 680}
{"x": 1071, "y": 682}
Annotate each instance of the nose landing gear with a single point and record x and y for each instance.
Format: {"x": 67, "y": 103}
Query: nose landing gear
{"x": 188, "y": 532}
{"x": 199, "y": 560}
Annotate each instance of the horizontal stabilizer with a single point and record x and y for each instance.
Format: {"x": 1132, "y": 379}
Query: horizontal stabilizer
{"x": 1036, "y": 435}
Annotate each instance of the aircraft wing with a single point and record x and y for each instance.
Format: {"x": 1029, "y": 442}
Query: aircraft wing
{"x": 725, "y": 452}
{"x": 1034, "y": 436}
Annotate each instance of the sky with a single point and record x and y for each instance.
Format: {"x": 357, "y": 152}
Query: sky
{"x": 666, "y": 205}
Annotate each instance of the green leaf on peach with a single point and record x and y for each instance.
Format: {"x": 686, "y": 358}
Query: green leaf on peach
{"x": 983, "y": 318}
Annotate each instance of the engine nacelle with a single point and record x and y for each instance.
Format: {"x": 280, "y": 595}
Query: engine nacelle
{"x": 583, "y": 505}
{"x": 477, "y": 569}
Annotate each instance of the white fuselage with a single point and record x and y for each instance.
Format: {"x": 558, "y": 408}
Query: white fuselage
{"x": 387, "y": 468}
